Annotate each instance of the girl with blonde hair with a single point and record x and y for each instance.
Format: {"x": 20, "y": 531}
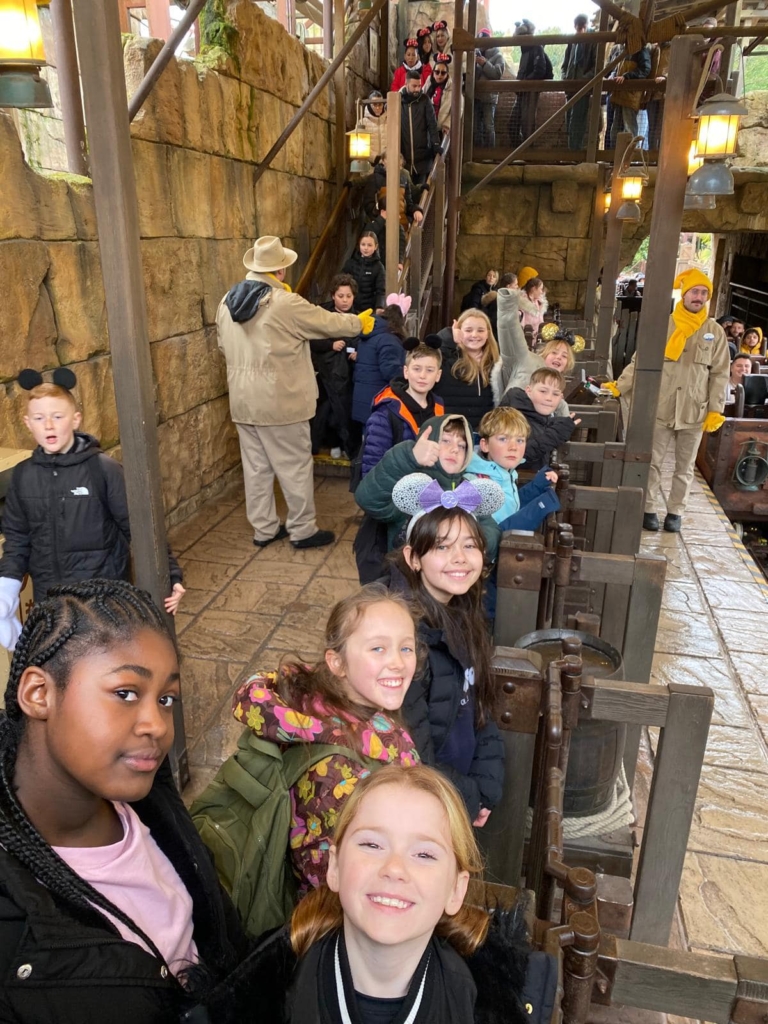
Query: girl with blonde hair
{"x": 390, "y": 937}
{"x": 473, "y": 376}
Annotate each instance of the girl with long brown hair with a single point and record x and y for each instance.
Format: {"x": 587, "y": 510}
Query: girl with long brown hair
{"x": 350, "y": 699}
{"x": 473, "y": 374}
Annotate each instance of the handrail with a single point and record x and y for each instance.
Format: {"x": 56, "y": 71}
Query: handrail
{"x": 322, "y": 243}
{"x": 163, "y": 58}
{"x": 324, "y": 79}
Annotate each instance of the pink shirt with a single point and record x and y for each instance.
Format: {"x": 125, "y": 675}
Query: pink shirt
{"x": 137, "y": 877}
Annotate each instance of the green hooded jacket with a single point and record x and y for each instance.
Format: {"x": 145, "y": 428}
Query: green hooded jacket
{"x": 374, "y": 494}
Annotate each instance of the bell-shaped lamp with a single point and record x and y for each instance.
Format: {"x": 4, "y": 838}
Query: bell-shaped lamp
{"x": 631, "y": 186}
{"x": 21, "y": 56}
{"x": 716, "y": 133}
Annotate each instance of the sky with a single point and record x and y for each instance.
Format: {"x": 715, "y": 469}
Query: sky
{"x": 543, "y": 14}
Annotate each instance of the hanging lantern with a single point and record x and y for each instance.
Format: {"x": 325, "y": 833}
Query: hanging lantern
{"x": 694, "y": 162}
{"x": 631, "y": 181}
{"x": 716, "y": 133}
{"x": 359, "y": 150}
{"x": 21, "y": 56}
{"x": 632, "y": 188}
{"x": 607, "y": 201}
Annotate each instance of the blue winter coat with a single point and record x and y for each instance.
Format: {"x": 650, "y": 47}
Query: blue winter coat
{"x": 395, "y": 418}
{"x": 524, "y": 508}
{"x": 380, "y": 357}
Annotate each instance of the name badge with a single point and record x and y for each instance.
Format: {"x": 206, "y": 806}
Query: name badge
{"x": 709, "y": 337}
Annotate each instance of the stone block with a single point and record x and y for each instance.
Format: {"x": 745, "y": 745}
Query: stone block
{"x": 189, "y": 370}
{"x": 565, "y": 196}
{"x": 752, "y": 147}
{"x": 138, "y": 55}
{"x": 219, "y": 447}
{"x": 77, "y": 294}
{"x": 753, "y": 198}
{"x": 54, "y": 211}
{"x": 179, "y": 448}
{"x": 547, "y": 255}
{"x": 573, "y": 225}
{"x": 43, "y": 140}
{"x": 13, "y": 408}
{"x": 83, "y": 206}
{"x": 150, "y": 164}
{"x": 163, "y": 105}
{"x": 189, "y": 180}
{"x": 318, "y": 147}
{"x": 543, "y": 174}
{"x": 564, "y": 292}
{"x": 173, "y": 282}
{"x": 234, "y": 117}
{"x": 508, "y": 211}
{"x": 757, "y": 105}
{"x": 221, "y": 266}
{"x": 27, "y": 325}
{"x": 509, "y": 175}
{"x": 18, "y": 202}
{"x": 577, "y": 261}
{"x": 475, "y": 254}
{"x": 212, "y": 113}
{"x": 315, "y": 70}
{"x": 96, "y": 394}
{"x": 273, "y": 199}
{"x": 192, "y": 78}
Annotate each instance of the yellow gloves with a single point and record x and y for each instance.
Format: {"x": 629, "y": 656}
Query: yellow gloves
{"x": 713, "y": 422}
{"x": 367, "y": 320}
{"x": 611, "y": 386}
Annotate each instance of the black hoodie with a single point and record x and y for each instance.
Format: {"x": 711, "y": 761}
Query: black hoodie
{"x": 547, "y": 431}
{"x": 66, "y": 519}
{"x": 368, "y": 271}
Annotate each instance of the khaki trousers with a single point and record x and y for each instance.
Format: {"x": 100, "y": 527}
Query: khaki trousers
{"x": 686, "y": 444}
{"x": 284, "y": 452}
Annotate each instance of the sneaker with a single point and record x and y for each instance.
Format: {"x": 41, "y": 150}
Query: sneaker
{"x": 335, "y": 453}
{"x": 673, "y": 524}
{"x": 651, "y": 522}
{"x": 281, "y": 534}
{"x": 317, "y": 540}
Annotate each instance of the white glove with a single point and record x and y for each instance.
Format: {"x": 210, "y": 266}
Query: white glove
{"x": 9, "y": 597}
{"x": 10, "y": 629}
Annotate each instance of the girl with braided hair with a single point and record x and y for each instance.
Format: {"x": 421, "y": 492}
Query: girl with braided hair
{"x": 109, "y": 903}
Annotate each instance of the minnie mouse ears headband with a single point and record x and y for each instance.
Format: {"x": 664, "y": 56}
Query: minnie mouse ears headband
{"x": 431, "y": 341}
{"x": 62, "y": 376}
{"x": 443, "y": 58}
{"x": 417, "y": 494}
{"x": 438, "y": 25}
{"x": 424, "y": 32}
{"x": 411, "y": 42}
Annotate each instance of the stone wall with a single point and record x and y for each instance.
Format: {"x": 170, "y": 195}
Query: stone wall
{"x": 196, "y": 143}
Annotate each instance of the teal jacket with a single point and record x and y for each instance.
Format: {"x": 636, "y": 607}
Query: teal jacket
{"x": 374, "y": 494}
{"x": 523, "y": 509}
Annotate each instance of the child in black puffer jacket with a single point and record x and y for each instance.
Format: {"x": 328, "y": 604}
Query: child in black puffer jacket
{"x": 367, "y": 269}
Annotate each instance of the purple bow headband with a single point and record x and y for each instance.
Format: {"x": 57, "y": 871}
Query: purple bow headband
{"x": 466, "y": 497}
{"x": 417, "y": 494}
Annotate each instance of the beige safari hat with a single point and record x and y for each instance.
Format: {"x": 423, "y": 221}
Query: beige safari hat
{"x": 267, "y": 255}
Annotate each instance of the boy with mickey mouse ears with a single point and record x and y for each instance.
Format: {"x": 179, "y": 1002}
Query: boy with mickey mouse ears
{"x": 66, "y": 512}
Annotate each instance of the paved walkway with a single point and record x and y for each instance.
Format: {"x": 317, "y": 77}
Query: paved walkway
{"x": 245, "y": 608}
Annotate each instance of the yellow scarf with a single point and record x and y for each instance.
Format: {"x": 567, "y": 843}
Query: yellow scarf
{"x": 686, "y": 324}
{"x": 281, "y": 283}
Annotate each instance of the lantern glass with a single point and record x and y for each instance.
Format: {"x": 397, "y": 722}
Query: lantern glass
{"x": 21, "y": 41}
{"x": 694, "y": 162}
{"x": 607, "y": 200}
{"x": 716, "y": 136}
{"x": 631, "y": 188}
{"x": 359, "y": 145}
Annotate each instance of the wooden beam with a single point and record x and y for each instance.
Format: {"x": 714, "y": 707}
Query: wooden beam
{"x": 384, "y": 51}
{"x": 97, "y": 27}
{"x": 596, "y": 107}
{"x": 611, "y": 257}
{"x": 328, "y": 29}
{"x": 69, "y": 86}
{"x": 159, "y": 18}
{"x": 454, "y": 172}
{"x": 567, "y": 85}
{"x": 469, "y": 87}
{"x": 394, "y": 111}
{"x": 463, "y": 41}
{"x": 732, "y": 18}
{"x": 666, "y": 223}
{"x": 339, "y": 89}
{"x": 321, "y": 84}
{"x": 161, "y": 61}
{"x": 595, "y": 247}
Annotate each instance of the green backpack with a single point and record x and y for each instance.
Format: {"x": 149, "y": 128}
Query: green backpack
{"x": 244, "y": 818}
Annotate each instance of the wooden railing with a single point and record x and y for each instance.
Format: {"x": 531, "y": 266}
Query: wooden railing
{"x": 333, "y": 247}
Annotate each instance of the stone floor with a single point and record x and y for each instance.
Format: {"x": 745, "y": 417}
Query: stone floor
{"x": 245, "y": 608}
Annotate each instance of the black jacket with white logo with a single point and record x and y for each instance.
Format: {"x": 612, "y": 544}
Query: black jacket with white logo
{"x": 66, "y": 519}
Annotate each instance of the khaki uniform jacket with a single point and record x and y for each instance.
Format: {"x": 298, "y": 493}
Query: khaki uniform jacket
{"x": 695, "y": 384}
{"x": 269, "y": 366}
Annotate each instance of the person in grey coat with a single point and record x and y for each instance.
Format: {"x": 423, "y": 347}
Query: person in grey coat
{"x": 489, "y": 67}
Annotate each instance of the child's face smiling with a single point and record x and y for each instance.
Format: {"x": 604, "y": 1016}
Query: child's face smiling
{"x": 107, "y": 732}
{"x": 557, "y": 359}
{"x": 506, "y": 450}
{"x": 453, "y": 452}
{"x": 422, "y": 375}
{"x": 367, "y": 246}
{"x": 452, "y": 566}
{"x": 52, "y": 422}
{"x": 395, "y": 871}
{"x": 379, "y": 659}
{"x": 545, "y": 397}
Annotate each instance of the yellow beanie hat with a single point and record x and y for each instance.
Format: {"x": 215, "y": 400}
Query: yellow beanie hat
{"x": 525, "y": 275}
{"x": 691, "y": 279}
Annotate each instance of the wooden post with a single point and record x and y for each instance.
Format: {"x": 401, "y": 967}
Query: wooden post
{"x": 469, "y": 86}
{"x": 393, "y": 190}
{"x": 159, "y": 18}
{"x": 671, "y": 804}
{"x": 596, "y": 109}
{"x": 454, "y": 172}
{"x": 666, "y": 222}
{"x": 611, "y": 257}
{"x": 341, "y": 99}
{"x": 328, "y": 29}
{"x": 69, "y": 85}
{"x": 732, "y": 18}
{"x": 97, "y": 26}
{"x": 438, "y": 248}
{"x": 384, "y": 71}
{"x": 596, "y": 248}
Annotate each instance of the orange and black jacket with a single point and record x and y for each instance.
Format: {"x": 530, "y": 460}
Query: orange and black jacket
{"x": 396, "y": 417}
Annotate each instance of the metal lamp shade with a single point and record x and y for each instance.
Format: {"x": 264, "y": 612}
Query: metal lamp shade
{"x": 699, "y": 202}
{"x": 711, "y": 179}
{"x": 21, "y": 56}
{"x": 629, "y": 210}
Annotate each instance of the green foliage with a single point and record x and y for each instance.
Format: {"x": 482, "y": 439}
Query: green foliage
{"x": 555, "y": 51}
{"x": 755, "y": 73}
{"x": 216, "y": 31}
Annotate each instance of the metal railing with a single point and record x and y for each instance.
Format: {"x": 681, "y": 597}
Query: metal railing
{"x": 749, "y": 304}
{"x": 334, "y": 246}
{"x": 424, "y": 259}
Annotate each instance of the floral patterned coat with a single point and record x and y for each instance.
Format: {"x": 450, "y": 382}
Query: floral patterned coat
{"x": 319, "y": 793}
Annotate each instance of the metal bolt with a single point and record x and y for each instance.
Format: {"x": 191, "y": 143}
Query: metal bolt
{"x": 519, "y": 557}
{"x": 602, "y": 987}
{"x": 517, "y": 580}
{"x": 585, "y": 704}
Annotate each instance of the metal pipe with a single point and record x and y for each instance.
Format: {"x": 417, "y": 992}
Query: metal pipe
{"x": 542, "y": 127}
{"x": 611, "y": 257}
{"x": 392, "y": 242}
{"x": 69, "y": 86}
{"x": 328, "y": 29}
{"x": 321, "y": 84}
{"x": 162, "y": 60}
{"x": 454, "y": 173}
